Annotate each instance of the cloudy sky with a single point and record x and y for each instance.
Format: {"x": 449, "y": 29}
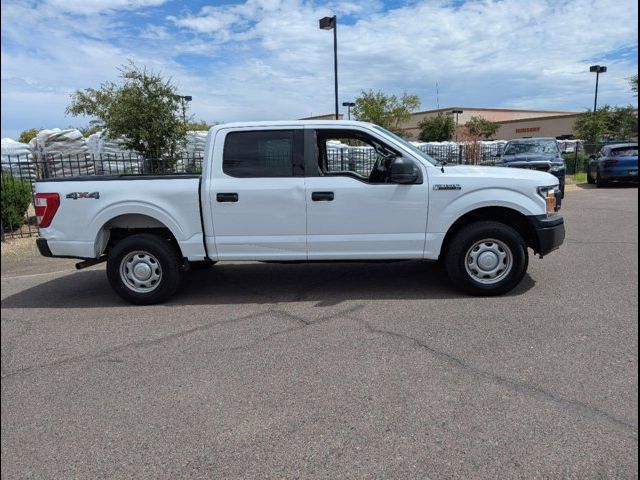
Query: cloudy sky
{"x": 267, "y": 59}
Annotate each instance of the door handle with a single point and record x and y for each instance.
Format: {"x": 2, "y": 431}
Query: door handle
{"x": 227, "y": 197}
{"x": 322, "y": 196}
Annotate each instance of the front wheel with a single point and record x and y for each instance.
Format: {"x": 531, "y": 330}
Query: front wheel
{"x": 144, "y": 269}
{"x": 486, "y": 258}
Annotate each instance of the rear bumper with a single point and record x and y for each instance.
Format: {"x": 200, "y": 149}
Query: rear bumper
{"x": 43, "y": 247}
{"x": 620, "y": 176}
{"x": 549, "y": 232}
{"x": 45, "y": 250}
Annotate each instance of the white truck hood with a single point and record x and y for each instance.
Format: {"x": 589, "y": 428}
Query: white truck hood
{"x": 502, "y": 173}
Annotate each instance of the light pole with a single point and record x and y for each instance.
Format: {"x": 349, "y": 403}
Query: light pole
{"x": 456, "y": 113}
{"x": 183, "y": 101}
{"x": 331, "y": 23}
{"x": 348, "y": 105}
{"x": 598, "y": 69}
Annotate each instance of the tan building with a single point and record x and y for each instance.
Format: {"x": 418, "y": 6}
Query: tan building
{"x": 328, "y": 116}
{"x": 513, "y": 123}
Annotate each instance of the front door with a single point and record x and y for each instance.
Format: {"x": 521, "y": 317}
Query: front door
{"x": 353, "y": 209}
{"x": 258, "y": 195}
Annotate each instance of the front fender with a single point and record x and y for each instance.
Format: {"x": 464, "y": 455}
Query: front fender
{"x": 440, "y": 220}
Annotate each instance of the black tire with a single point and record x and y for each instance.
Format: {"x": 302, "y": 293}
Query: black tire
{"x": 599, "y": 182}
{"x": 163, "y": 254}
{"x": 201, "y": 265}
{"x": 590, "y": 178}
{"x": 466, "y": 238}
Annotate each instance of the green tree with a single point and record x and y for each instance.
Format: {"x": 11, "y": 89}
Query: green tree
{"x": 143, "y": 108}
{"x": 89, "y": 130}
{"x": 623, "y": 123}
{"x": 480, "y": 127}
{"x": 27, "y": 135}
{"x": 437, "y": 129}
{"x": 387, "y": 111}
{"x": 615, "y": 123}
{"x": 199, "y": 125}
{"x": 634, "y": 84}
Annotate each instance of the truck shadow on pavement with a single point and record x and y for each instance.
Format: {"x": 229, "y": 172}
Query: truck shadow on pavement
{"x": 325, "y": 284}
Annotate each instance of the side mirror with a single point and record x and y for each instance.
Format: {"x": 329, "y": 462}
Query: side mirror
{"x": 404, "y": 171}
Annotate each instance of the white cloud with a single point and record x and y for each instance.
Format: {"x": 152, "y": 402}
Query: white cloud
{"x": 264, "y": 59}
{"x": 92, "y": 7}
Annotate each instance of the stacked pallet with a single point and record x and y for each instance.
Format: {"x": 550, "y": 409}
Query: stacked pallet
{"x": 17, "y": 160}
{"x": 111, "y": 156}
{"x": 63, "y": 153}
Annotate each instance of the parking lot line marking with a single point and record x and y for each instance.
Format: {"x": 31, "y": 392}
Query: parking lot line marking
{"x": 37, "y": 274}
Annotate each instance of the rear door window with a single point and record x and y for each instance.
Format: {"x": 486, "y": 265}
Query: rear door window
{"x": 263, "y": 153}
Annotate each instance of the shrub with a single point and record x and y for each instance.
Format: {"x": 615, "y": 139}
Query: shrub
{"x": 15, "y": 197}
{"x": 575, "y": 163}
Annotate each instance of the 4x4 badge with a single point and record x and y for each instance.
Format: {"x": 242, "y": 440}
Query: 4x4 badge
{"x": 77, "y": 195}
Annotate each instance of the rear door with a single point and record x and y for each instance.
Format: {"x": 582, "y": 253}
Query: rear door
{"x": 258, "y": 194}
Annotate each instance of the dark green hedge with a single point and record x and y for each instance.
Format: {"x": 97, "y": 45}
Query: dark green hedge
{"x": 15, "y": 196}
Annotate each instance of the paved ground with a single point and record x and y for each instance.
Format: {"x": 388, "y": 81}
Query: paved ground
{"x": 332, "y": 370}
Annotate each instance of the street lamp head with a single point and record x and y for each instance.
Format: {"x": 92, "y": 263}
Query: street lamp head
{"x": 456, "y": 112}
{"x": 328, "y": 23}
{"x": 348, "y": 104}
{"x": 597, "y": 68}
{"x": 188, "y": 98}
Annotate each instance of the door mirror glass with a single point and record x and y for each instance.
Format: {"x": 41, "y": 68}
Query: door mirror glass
{"x": 404, "y": 171}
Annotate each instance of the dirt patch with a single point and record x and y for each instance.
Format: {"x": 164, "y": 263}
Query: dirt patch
{"x": 19, "y": 247}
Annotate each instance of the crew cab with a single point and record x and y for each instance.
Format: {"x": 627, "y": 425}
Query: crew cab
{"x": 303, "y": 191}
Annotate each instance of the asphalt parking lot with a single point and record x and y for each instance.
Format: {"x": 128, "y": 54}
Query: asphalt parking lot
{"x": 332, "y": 370}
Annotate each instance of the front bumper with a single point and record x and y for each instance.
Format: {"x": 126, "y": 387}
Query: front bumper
{"x": 549, "y": 232}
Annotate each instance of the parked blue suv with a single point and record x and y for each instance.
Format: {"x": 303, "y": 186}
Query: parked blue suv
{"x": 617, "y": 162}
{"x": 536, "y": 154}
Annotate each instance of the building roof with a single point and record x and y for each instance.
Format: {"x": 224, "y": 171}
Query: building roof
{"x": 484, "y": 109}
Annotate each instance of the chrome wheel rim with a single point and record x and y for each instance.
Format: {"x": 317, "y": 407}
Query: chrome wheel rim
{"x": 489, "y": 261}
{"x": 140, "y": 271}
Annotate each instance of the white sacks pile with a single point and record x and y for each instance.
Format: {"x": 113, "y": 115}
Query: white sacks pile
{"x": 17, "y": 159}
{"x": 111, "y": 156}
{"x": 190, "y": 156}
{"x": 62, "y": 153}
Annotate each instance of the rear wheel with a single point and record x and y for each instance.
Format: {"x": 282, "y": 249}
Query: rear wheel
{"x": 589, "y": 177}
{"x": 599, "y": 181}
{"x": 144, "y": 269}
{"x": 487, "y": 258}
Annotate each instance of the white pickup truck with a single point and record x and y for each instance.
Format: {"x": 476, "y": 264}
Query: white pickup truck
{"x": 303, "y": 191}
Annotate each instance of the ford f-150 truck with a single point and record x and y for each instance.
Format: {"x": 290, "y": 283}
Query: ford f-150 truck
{"x": 303, "y": 191}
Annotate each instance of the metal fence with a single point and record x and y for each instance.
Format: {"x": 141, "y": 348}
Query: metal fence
{"x": 20, "y": 172}
{"x": 362, "y": 159}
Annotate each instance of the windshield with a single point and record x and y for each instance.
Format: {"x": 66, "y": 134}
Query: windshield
{"x": 538, "y": 146}
{"x": 415, "y": 150}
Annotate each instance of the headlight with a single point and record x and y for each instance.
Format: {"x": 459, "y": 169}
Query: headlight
{"x": 550, "y": 195}
{"x": 556, "y": 167}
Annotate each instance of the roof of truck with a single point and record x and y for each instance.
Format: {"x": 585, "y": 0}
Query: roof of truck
{"x": 283, "y": 123}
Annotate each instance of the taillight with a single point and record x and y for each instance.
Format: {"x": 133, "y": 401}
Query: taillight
{"x": 610, "y": 162}
{"x": 46, "y": 207}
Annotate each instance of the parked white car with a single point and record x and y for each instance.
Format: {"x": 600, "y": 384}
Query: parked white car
{"x": 274, "y": 191}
